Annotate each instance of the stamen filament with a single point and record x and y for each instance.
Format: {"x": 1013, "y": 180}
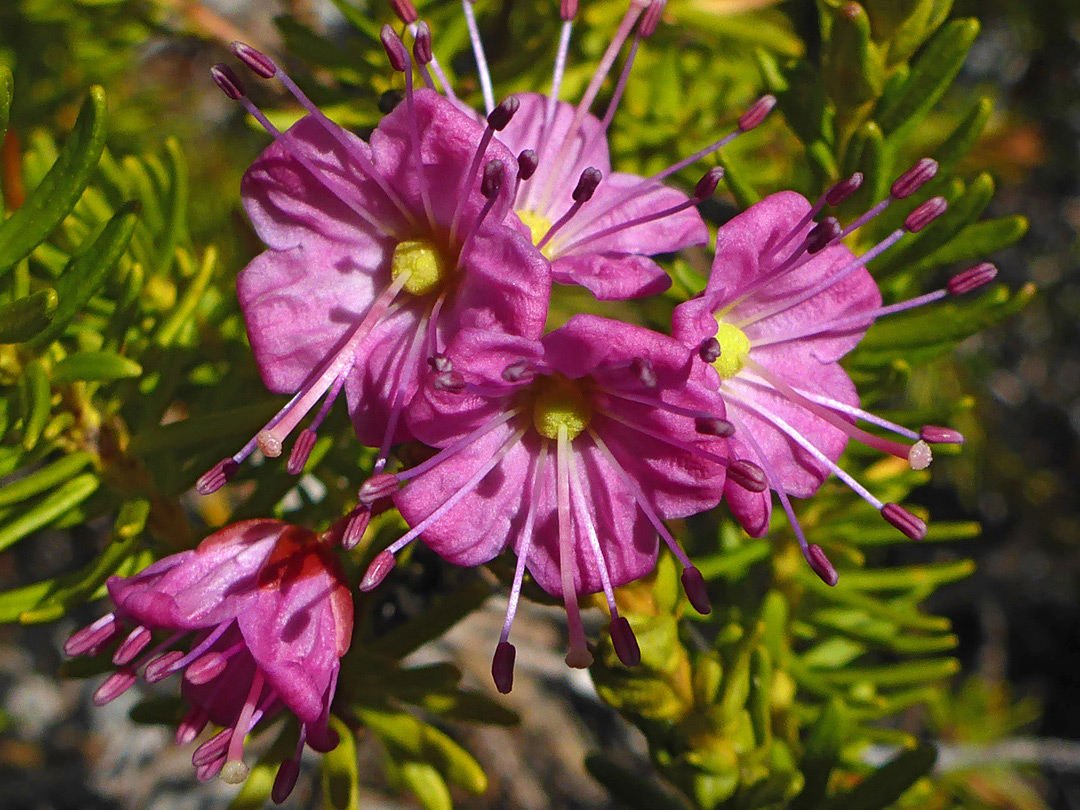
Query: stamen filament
{"x": 659, "y": 404}
{"x": 578, "y": 655}
{"x": 526, "y": 541}
{"x": 454, "y": 499}
{"x": 478, "y": 53}
{"x": 452, "y": 450}
{"x": 859, "y": 413}
{"x": 583, "y": 517}
{"x": 407, "y": 366}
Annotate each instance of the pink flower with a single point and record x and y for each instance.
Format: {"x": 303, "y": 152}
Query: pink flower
{"x": 785, "y": 302}
{"x": 572, "y": 450}
{"x": 377, "y": 253}
{"x": 599, "y": 228}
{"x": 257, "y": 618}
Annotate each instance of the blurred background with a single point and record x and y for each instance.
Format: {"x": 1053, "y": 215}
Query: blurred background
{"x": 1018, "y": 616}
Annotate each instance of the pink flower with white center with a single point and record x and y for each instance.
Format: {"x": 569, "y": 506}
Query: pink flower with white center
{"x": 377, "y": 253}
{"x": 572, "y": 450}
{"x": 599, "y": 228}
{"x": 257, "y": 618}
{"x": 785, "y": 301}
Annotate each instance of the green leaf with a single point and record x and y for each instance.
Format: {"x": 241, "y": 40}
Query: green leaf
{"x": 36, "y": 396}
{"x": 340, "y": 770}
{"x": 822, "y": 752}
{"x": 23, "y": 318}
{"x": 176, "y": 204}
{"x": 56, "y": 195}
{"x": 47, "y": 477}
{"x": 631, "y": 788}
{"x": 976, "y": 241}
{"x": 429, "y": 787}
{"x": 45, "y": 511}
{"x": 87, "y": 272}
{"x": 930, "y": 77}
{"x": 96, "y": 366}
{"x": 964, "y": 137}
{"x": 7, "y": 92}
{"x": 852, "y": 69}
{"x": 883, "y": 787}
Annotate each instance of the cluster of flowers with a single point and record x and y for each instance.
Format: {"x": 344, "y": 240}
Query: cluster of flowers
{"x": 414, "y": 271}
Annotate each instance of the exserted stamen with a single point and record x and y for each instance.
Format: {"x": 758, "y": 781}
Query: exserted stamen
{"x": 490, "y": 186}
{"x": 408, "y": 368}
{"x": 757, "y": 113}
{"x": 400, "y": 61}
{"x": 832, "y": 196}
{"x": 378, "y": 570}
{"x": 497, "y": 121}
{"x": 578, "y": 655}
{"x": 708, "y": 422}
{"x": 166, "y": 665}
{"x": 306, "y": 440}
{"x": 235, "y": 771}
{"x": 916, "y": 221}
{"x": 586, "y": 186}
{"x": 932, "y": 434}
{"x": 93, "y": 637}
{"x": 230, "y": 84}
{"x": 191, "y": 726}
{"x": 422, "y": 52}
{"x": 567, "y": 12}
{"x": 903, "y": 187}
{"x": 502, "y": 664}
{"x": 478, "y": 53}
{"x": 621, "y": 635}
{"x": 262, "y": 65}
{"x": 912, "y": 526}
{"x": 893, "y": 448}
{"x": 697, "y": 595}
{"x": 130, "y": 647}
{"x": 704, "y": 189}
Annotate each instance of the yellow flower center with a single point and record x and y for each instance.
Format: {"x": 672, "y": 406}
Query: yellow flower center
{"x": 559, "y": 402}
{"x": 424, "y": 262}
{"x": 537, "y": 224}
{"x": 734, "y": 346}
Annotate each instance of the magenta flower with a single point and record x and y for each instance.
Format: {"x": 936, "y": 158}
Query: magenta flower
{"x": 257, "y": 618}
{"x": 598, "y": 228}
{"x": 785, "y": 301}
{"x": 377, "y": 253}
{"x": 573, "y": 451}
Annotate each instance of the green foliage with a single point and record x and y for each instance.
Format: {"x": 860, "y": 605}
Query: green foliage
{"x": 124, "y": 374}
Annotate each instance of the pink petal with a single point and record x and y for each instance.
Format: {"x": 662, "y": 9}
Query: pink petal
{"x": 612, "y": 276}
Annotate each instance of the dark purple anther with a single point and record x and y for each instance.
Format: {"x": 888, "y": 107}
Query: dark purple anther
{"x": 382, "y": 565}
{"x": 440, "y": 362}
{"x": 823, "y": 234}
{"x": 228, "y": 81}
{"x": 757, "y": 113}
{"x": 821, "y": 565}
{"x": 92, "y": 637}
{"x": 527, "y": 163}
{"x": 932, "y": 434}
{"x": 212, "y": 749}
{"x": 422, "y": 43}
{"x": 502, "y": 667}
{"x": 706, "y": 186}
{"x": 359, "y": 519}
{"x": 131, "y": 646}
{"x": 258, "y": 62}
{"x": 377, "y": 487}
{"x": 914, "y": 178}
{"x": 568, "y": 9}
{"x": 912, "y": 526}
{"x": 162, "y": 667}
{"x": 709, "y": 350}
{"x": 972, "y": 278}
{"x": 205, "y": 668}
{"x": 714, "y": 427}
{"x": 216, "y": 477}
{"x": 451, "y": 381}
{"x": 694, "y": 585}
{"x": 925, "y": 214}
{"x": 395, "y": 49}
{"x": 285, "y": 780}
{"x": 405, "y": 10}
{"x": 748, "y": 475}
{"x": 624, "y": 642}
{"x": 642, "y": 368}
{"x": 586, "y": 184}
{"x": 504, "y": 111}
{"x": 114, "y": 686}
{"x": 651, "y": 18}
{"x": 492, "y": 180}
{"x": 844, "y": 189}
{"x": 300, "y": 452}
